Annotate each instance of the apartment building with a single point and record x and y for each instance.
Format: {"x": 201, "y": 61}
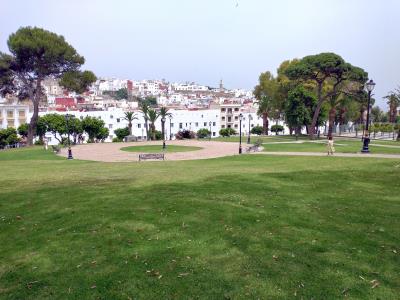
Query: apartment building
{"x": 13, "y": 115}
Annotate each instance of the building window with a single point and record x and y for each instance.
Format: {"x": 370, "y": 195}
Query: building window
{"x": 236, "y": 125}
{"x": 180, "y": 125}
{"x": 118, "y": 120}
{"x": 223, "y": 118}
{"x": 214, "y": 124}
{"x": 110, "y": 126}
{"x": 213, "y": 133}
{"x": 229, "y": 119}
{"x": 172, "y": 125}
{"x": 10, "y": 114}
{"x": 21, "y": 114}
{"x": 222, "y": 109}
{"x": 111, "y": 116}
{"x": 252, "y": 125}
{"x": 236, "y": 118}
{"x": 196, "y": 124}
{"x": 10, "y": 123}
{"x": 222, "y": 126}
{"x": 236, "y": 109}
{"x": 81, "y": 117}
{"x": 139, "y": 125}
{"x": 205, "y": 124}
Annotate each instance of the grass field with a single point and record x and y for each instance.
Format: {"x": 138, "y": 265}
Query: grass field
{"x": 159, "y": 149}
{"x": 242, "y": 227}
{"x": 342, "y": 145}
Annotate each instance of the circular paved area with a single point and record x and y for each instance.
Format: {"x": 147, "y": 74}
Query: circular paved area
{"x": 110, "y": 152}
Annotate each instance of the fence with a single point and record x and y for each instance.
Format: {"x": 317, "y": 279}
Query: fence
{"x": 12, "y": 146}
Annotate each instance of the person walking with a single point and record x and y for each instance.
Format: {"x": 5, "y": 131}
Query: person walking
{"x": 331, "y": 148}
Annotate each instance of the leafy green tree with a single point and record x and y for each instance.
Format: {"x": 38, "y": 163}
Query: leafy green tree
{"x": 377, "y": 115}
{"x": 93, "y": 127}
{"x": 203, "y": 133}
{"x": 75, "y": 129}
{"x": 77, "y": 81}
{"x": 258, "y": 130}
{"x": 330, "y": 73}
{"x": 144, "y": 108}
{"x": 8, "y": 136}
{"x": 265, "y": 92}
{"x": 130, "y": 116}
{"x": 56, "y": 124}
{"x": 122, "y": 133}
{"x": 102, "y": 134}
{"x": 277, "y": 128}
{"x": 35, "y": 55}
{"x": 23, "y": 130}
{"x": 153, "y": 116}
{"x": 185, "y": 134}
{"x": 299, "y": 108}
{"x": 40, "y": 129}
{"x": 121, "y": 94}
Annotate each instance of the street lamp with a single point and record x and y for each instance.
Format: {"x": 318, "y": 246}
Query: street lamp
{"x": 250, "y": 119}
{"x": 240, "y": 133}
{"x": 163, "y": 133}
{"x": 209, "y": 138}
{"x": 170, "y": 128}
{"x": 369, "y": 87}
{"x": 67, "y": 119}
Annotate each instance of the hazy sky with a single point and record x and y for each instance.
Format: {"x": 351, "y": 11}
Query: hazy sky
{"x": 206, "y": 40}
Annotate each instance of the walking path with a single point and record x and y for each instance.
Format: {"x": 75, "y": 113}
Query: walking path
{"x": 336, "y": 154}
{"x": 110, "y": 152}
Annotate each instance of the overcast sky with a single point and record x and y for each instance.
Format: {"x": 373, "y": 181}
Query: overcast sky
{"x": 206, "y": 40}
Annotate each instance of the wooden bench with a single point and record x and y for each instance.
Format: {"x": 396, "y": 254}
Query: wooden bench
{"x": 153, "y": 156}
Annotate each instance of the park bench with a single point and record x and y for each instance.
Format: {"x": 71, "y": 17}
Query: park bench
{"x": 152, "y": 156}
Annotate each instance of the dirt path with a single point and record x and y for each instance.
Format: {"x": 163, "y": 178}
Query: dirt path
{"x": 110, "y": 152}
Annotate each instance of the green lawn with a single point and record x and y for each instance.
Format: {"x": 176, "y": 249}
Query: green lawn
{"x": 341, "y": 146}
{"x": 242, "y": 227}
{"x": 159, "y": 149}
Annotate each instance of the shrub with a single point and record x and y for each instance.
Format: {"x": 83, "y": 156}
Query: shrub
{"x": 121, "y": 133}
{"x": 258, "y": 143}
{"x": 203, "y": 133}
{"x": 257, "y": 130}
{"x": 23, "y": 130}
{"x": 277, "y": 128}
{"x": 39, "y": 143}
{"x": 116, "y": 140}
{"x": 8, "y": 136}
{"x": 226, "y": 132}
{"x": 158, "y": 135}
{"x": 185, "y": 134}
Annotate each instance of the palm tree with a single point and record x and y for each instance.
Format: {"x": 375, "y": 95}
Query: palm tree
{"x": 163, "y": 114}
{"x": 264, "y": 109}
{"x": 153, "y": 116}
{"x": 130, "y": 116}
{"x": 393, "y": 100}
{"x": 144, "y": 107}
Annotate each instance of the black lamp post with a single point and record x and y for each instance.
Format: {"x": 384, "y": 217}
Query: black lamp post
{"x": 210, "y": 131}
{"x": 170, "y": 128}
{"x": 240, "y": 133}
{"x": 369, "y": 87}
{"x": 248, "y": 137}
{"x": 163, "y": 132}
{"x": 67, "y": 118}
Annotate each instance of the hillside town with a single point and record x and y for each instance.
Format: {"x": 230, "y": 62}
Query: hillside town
{"x": 192, "y": 106}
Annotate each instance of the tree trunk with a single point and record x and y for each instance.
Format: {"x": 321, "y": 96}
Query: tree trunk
{"x": 153, "y": 131}
{"x": 130, "y": 127}
{"x": 163, "y": 130}
{"x": 33, "y": 123}
{"x": 332, "y": 114}
{"x": 316, "y": 112}
{"x": 265, "y": 123}
{"x": 146, "y": 124}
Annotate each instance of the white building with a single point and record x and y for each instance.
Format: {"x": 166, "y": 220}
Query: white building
{"x": 13, "y": 115}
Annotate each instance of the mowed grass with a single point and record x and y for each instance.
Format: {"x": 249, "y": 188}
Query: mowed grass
{"x": 159, "y": 149}
{"x": 248, "y": 227}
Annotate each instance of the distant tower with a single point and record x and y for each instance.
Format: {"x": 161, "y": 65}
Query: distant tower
{"x": 221, "y": 85}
